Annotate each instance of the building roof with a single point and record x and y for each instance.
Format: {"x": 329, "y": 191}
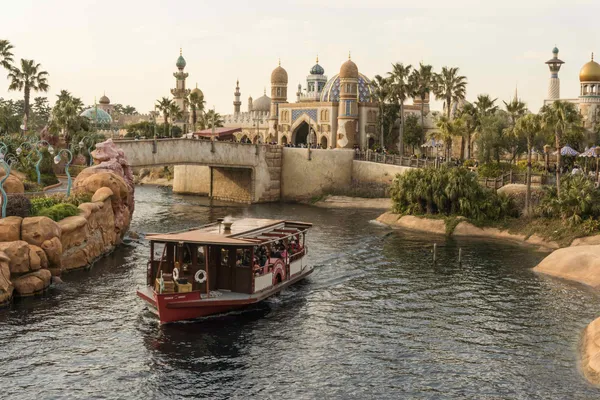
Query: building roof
{"x": 349, "y": 70}
{"x": 219, "y": 132}
{"x": 331, "y": 91}
{"x": 590, "y": 72}
{"x": 243, "y": 232}
{"x": 279, "y": 76}
{"x": 97, "y": 115}
{"x": 263, "y": 103}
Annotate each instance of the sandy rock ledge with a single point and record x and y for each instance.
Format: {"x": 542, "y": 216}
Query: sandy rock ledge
{"x": 590, "y": 352}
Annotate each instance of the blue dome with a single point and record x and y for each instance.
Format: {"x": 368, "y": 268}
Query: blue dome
{"x": 555, "y": 50}
{"x": 331, "y": 91}
{"x": 317, "y": 70}
{"x": 102, "y": 116}
{"x": 180, "y": 62}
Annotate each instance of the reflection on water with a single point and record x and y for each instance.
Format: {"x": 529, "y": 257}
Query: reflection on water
{"x": 377, "y": 319}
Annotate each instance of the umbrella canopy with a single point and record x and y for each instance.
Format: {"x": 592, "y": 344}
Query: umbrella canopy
{"x": 591, "y": 152}
{"x": 433, "y": 143}
{"x": 567, "y": 151}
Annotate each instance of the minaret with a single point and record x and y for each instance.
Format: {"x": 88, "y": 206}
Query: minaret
{"x": 250, "y": 104}
{"x": 279, "y": 81}
{"x": 299, "y": 93}
{"x": 554, "y": 85}
{"x": 180, "y": 93}
{"x": 237, "y": 103}
{"x": 347, "y": 130}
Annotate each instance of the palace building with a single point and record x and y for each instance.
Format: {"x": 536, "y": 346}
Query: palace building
{"x": 588, "y": 101}
{"x": 339, "y": 112}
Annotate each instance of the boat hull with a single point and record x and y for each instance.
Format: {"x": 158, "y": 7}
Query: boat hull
{"x": 173, "y": 307}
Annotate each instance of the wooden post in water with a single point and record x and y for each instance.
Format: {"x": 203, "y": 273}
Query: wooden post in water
{"x": 460, "y": 255}
{"x": 434, "y": 252}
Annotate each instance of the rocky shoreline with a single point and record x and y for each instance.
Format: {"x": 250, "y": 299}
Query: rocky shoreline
{"x": 354, "y": 202}
{"x": 33, "y": 249}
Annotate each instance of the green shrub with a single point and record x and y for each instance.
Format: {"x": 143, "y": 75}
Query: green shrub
{"x": 32, "y": 186}
{"x": 469, "y": 163}
{"x": 40, "y": 203}
{"x": 18, "y": 206}
{"x": 447, "y": 191}
{"x": 579, "y": 200}
{"x": 494, "y": 170}
{"x": 59, "y": 211}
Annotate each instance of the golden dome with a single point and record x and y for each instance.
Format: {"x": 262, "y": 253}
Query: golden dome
{"x": 590, "y": 72}
{"x": 349, "y": 70}
{"x": 279, "y": 76}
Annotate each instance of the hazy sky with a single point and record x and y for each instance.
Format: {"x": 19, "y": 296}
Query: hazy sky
{"x": 129, "y": 48}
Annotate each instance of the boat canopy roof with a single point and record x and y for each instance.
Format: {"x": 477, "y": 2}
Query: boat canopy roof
{"x": 243, "y": 232}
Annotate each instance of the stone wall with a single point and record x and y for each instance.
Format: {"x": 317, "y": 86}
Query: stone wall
{"x": 302, "y": 178}
{"x": 370, "y": 172}
{"x": 35, "y": 248}
{"x": 193, "y": 179}
{"x": 232, "y": 184}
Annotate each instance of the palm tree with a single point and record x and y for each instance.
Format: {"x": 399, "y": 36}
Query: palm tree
{"x": 211, "y": 116}
{"x": 65, "y": 96}
{"x": 515, "y": 109}
{"x": 559, "y": 117}
{"x": 470, "y": 117}
{"x": 528, "y": 127}
{"x": 421, "y": 81}
{"x": 175, "y": 113}
{"x": 485, "y": 105}
{"x": 381, "y": 94}
{"x": 29, "y": 77}
{"x": 447, "y": 130}
{"x": 64, "y": 114}
{"x": 164, "y": 106}
{"x": 197, "y": 104}
{"x": 6, "y": 56}
{"x": 450, "y": 87}
{"x": 400, "y": 91}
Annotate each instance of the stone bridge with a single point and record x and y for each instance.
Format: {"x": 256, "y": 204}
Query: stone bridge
{"x": 236, "y": 171}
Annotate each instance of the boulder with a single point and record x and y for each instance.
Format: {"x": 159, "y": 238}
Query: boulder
{"x": 92, "y": 183}
{"x": 18, "y": 253}
{"x": 74, "y": 231}
{"x": 6, "y": 286}
{"x": 579, "y": 264}
{"x": 590, "y": 352}
{"x": 102, "y": 194}
{"x": 33, "y": 283}
{"x": 53, "y": 250}
{"x": 517, "y": 192}
{"x": 13, "y": 185}
{"x": 37, "y": 256}
{"x": 89, "y": 208}
{"x": 37, "y": 230}
{"x": 10, "y": 229}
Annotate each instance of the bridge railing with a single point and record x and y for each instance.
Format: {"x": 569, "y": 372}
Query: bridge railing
{"x": 394, "y": 159}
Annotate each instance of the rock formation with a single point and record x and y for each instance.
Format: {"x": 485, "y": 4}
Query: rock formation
{"x": 34, "y": 249}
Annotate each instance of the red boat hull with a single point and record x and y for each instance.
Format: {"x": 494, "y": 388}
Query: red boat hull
{"x": 173, "y": 307}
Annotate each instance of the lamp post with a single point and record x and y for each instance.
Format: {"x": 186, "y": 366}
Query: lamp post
{"x": 89, "y": 149}
{"x": 57, "y": 159}
{"x": 547, "y": 157}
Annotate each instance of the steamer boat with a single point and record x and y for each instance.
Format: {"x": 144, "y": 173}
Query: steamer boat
{"x": 223, "y": 266}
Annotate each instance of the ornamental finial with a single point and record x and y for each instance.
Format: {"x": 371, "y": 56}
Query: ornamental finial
{"x": 317, "y": 58}
{"x": 280, "y": 62}
{"x": 592, "y": 56}
{"x": 349, "y": 58}
{"x": 180, "y": 51}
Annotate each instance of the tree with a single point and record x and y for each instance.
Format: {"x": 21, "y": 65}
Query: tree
{"x": 421, "y": 82}
{"x": 515, "y": 109}
{"x": 29, "y": 77}
{"x": 6, "y": 56}
{"x": 485, "y": 105}
{"x": 491, "y": 135}
{"x": 197, "y": 104}
{"x": 41, "y": 112}
{"x": 400, "y": 90}
{"x": 129, "y": 110}
{"x": 413, "y": 134}
{"x": 387, "y": 113}
{"x": 10, "y": 117}
{"x": 66, "y": 96}
{"x": 470, "y": 118}
{"x": 450, "y": 87}
{"x": 65, "y": 117}
{"x": 164, "y": 106}
{"x": 448, "y": 128}
{"x": 211, "y": 116}
{"x": 528, "y": 127}
{"x": 175, "y": 113}
{"x": 559, "y": 117}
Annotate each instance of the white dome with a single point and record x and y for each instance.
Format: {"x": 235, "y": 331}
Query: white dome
{"x": 263, "y": 103}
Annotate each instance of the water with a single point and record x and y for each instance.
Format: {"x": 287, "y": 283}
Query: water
{"x": 376, "y": 320}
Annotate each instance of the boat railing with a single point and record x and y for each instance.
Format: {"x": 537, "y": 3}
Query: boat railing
{"x": 297, "y": 255}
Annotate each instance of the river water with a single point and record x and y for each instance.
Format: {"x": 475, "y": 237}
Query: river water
{"x": 376, "y": 320}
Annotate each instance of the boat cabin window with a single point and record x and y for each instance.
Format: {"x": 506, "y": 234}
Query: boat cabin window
{"x": 224, "y": 257}
{"x": 201, "y": 258}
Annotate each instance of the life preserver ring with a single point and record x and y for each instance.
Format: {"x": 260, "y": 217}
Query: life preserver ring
{"x": 175, "y": 274}
{"x": 278, "y": 270}
{"x": 200, "y": 276}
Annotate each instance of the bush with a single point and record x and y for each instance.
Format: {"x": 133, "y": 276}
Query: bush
{"x": 494, "y": 170}
{"x": 469, "y": 163}
{"x": 40, "y": 203}
{"x": 59, "y": 211}
{"x": 448, "y": 191}
{"x": 579, "y": 200}
{"x": 18, "y": 206}
{"x": 32, "y": 186}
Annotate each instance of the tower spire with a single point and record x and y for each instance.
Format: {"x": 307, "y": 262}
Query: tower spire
{"x": 317, "y": 58}
{"x": 180, "y": 51}
{"x": 349, "y": 57}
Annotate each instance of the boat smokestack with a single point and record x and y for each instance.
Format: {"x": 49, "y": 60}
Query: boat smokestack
{"x": 227, "y": 222}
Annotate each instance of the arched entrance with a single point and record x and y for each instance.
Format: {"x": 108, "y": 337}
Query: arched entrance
{"x": 244, "y": 139}
{"x": 284, "y": 140}
{"x": 255, "y": 140}
{"x": 371, "y": 143}
{"x": 300, "y": 135}
{"x": 323, "y": 142}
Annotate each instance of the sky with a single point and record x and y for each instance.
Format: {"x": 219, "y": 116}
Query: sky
{"x": 127, "y": 49}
